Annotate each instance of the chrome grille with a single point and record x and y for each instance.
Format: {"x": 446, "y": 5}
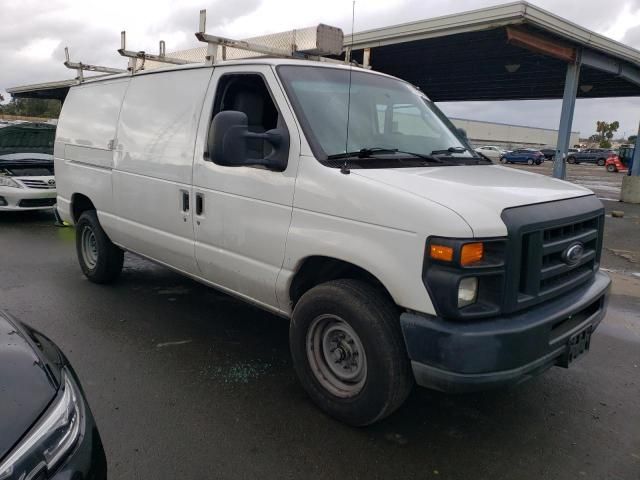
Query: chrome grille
{"x": 36, "y": 183}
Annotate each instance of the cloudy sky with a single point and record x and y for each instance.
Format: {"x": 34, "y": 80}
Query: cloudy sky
{"x": 34, "y": 33}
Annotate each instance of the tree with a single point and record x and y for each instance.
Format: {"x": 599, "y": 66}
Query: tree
{"x": 32, "y": 107}
{"x": 606, "y": 131}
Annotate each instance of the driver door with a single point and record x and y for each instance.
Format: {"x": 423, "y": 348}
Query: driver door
{"x": 242, "y": 214}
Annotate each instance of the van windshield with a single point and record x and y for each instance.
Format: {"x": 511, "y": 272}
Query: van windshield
{"x": 386, "y": 116}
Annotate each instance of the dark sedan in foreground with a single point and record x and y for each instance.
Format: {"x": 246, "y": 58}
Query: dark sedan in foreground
{"x": 47, "y": 430}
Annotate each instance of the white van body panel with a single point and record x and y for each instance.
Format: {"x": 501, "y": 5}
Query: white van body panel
{"x": 477, "y": 193}
{"x": 153, "y": 166}
{"x": 85, "y": 134}
{"x": 241, "y": 235}
{"x": 379, "y": 228}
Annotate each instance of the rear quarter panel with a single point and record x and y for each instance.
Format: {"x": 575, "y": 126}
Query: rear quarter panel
{"x": 83, "y": 152}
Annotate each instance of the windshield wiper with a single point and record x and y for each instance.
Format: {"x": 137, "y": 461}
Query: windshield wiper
{"x": 371, "y": 152}
{"x": 362, "y": 153}
{"x": 450, "y": 150}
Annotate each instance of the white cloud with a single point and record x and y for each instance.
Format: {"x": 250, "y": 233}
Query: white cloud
{"x": 38, "y": 49}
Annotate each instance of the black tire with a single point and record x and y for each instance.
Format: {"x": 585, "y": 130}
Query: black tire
{"x": 611, "y": 168}
{"x": 373, "y": 317}
{"x": 503, "y": 160}
{"x": 529, "y": 161}
{"x": 104, "y": 263}
{"x": 571, "y": 160}
{"x": 601, "y": 162}
{"x": 538, "y": 162}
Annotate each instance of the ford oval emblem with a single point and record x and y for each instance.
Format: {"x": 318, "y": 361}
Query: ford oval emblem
{"x": 573, "y": 253}
{"x": 51, "y": 182}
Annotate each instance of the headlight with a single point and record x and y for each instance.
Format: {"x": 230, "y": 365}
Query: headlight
{"x": 465, "y": 277}
{"x": 467, "y": 291}
{"x": 8, "y": 182}
{"x": 50, "y": 440}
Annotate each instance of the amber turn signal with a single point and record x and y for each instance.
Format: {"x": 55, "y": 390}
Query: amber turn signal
{"x": 471, "y": 253}
{"x": 440, "y": 252}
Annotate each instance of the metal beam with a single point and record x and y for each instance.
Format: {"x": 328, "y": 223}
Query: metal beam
{"x": 610, "y": 65}
{"x": 566, "y": 119}
{"x": 635, "y": 168}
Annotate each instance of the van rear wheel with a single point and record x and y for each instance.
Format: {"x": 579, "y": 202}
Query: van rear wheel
{"x": 100, "y": 260}
{"x": 348, "y": 351}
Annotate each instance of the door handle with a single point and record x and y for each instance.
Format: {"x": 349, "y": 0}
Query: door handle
{"x": 185, "y": 201}
{"x": 199, "y": 204}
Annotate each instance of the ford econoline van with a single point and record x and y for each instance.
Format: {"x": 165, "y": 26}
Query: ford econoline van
{"x": 344, "y": 200}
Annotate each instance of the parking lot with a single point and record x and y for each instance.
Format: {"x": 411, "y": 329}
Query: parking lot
{"x": 606, "y": 185}
{"x": 185, "y": 382}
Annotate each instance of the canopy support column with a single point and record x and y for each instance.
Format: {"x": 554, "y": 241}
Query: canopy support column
{"x": 635, "y": 168}
{"x": 566, "y": 119}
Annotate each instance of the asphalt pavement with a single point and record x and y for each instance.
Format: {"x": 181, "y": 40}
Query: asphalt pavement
{"x": 188, "y": 383}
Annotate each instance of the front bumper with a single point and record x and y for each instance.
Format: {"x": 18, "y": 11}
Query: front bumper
{"x": 456, "y": 356}
{"x": 19, "y": 199}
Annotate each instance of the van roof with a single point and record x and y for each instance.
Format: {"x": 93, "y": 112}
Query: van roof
{"x": 274, "y": 61}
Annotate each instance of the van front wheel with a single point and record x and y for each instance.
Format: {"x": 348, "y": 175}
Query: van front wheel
{"x": 101, "y": 261}
{"x": 348, "y": 351}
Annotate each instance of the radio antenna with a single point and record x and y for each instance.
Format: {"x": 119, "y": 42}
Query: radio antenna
{"x": 345, "y": 167}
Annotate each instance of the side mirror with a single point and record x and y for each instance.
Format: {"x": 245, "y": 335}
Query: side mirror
{"x": 227, "y": 142}
{"x": 463, "y": 133}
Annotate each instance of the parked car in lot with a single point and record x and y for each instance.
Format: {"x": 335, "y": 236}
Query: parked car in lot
{"x": 27, "y": 179}
{"x": 549, "y": 153}
{"x": 590, "y": 155}
{"x": 405, "y": 257}
{"x": 523, "y": 155}
{"x": 491, "y": 151}
{"x": 47, "y": 430}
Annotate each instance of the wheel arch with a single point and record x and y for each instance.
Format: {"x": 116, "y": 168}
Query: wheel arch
{"x": 317, "y": 269}
{"x": 80, "y": 203}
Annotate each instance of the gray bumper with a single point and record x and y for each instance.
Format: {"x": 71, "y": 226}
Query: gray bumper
{"x": 455, "y": 356}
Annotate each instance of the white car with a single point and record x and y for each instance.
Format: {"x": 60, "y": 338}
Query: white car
{"x": 27, "y": 182}
{"x": 399, "y": 257}
{"x": 491, "y": 151}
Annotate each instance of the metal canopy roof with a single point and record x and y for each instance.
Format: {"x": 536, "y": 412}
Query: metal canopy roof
{"x": 514, "y": 51}
{"x": 467, "y": 56}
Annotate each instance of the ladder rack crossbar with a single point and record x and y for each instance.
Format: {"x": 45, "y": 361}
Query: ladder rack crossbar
{"x": 142, "y": 55}
{"x": 81, "y": 67}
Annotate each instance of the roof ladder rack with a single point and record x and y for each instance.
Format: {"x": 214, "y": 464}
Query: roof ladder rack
{"x": 142, "y": 55}
{"x": 325, "y": 40}
{"x": 80, "y": 67}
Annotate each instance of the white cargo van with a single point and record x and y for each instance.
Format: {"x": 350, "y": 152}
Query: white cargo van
{"x": 399, "y": 254}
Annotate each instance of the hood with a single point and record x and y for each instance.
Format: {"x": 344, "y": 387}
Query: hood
{"x": 478, "y": 193}
{"x": 29, "y": 379}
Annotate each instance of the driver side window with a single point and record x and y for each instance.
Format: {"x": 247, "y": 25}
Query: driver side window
{"x": 248, "y": 93}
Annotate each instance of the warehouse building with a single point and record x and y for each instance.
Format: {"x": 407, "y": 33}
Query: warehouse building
{"x": 510, "y": 136}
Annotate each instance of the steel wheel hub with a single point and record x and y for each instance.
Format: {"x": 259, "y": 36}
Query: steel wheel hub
{"x": 336, "y": 356}
{"x": 89, "y": 247}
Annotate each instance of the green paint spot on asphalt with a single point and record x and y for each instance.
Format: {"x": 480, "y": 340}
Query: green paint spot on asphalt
{"x": 243, "y": 372}
{"x": 66, "y": 234}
